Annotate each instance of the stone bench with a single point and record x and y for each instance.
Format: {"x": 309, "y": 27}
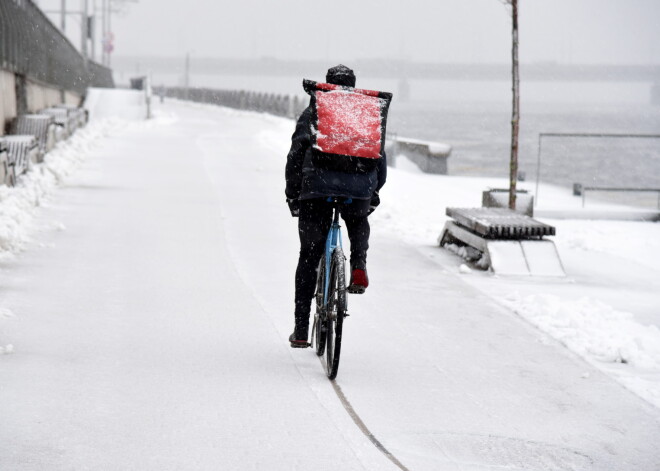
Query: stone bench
{"x": 507, "y": 242}
{"x": 430, "y": 157}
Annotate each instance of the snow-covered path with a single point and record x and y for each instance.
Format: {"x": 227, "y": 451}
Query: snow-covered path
{"x": 151, "y": 334}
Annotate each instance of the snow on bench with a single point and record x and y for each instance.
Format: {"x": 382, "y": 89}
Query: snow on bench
{"x": 41, "y": 126}
{"x": 4, "y": 162}
{"x": 507, "y": 242}
{"x": 22, "y": 151}
{"x": 78, "y": 115}
{"x": 430, "y": 157}
{"x": 65, "y": 119}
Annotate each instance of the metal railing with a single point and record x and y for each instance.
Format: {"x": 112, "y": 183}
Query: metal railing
{"x": 278, "y": 105}
{"x": 584, "y": 189}
{"x": 582, "y": 135}
{"x": 31, "y": 46}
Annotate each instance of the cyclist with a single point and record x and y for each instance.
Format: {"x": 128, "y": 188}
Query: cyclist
{"x": 308, "y": 185}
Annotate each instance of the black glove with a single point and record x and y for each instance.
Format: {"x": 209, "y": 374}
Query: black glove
{"x": 375, "y": 201}
{"x": 294, "y": 207}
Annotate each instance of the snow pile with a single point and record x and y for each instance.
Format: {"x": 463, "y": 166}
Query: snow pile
{"x": 104, "y": 103}
{"x": 17, "y": 204}
{"x": 608, "y": 261}
{"x": 599, "y": 334}
{"x": 632, "y": 240}
{"x": 469, "y": 254}
{"x": 4, "y": 315}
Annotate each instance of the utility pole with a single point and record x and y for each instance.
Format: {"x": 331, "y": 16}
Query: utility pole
{"x": 83, "y": 28}
{"x": 92, "y": 31}
{"x": 109, "y": 30}
{"x": 515, "y": 113}
{"x": 63, "y": 17}
{"x": 104, "y": 32}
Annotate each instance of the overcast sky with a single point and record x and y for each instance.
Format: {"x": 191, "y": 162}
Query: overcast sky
{"x": 565, "y": 31}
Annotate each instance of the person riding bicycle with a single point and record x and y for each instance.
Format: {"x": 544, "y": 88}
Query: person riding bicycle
{"x": 309, "y": 183}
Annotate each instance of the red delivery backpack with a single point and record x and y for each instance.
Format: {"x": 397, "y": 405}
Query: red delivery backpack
{"x": 348, "y": 126}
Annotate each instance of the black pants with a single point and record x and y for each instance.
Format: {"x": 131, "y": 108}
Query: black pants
{"x": 313, "y": 225}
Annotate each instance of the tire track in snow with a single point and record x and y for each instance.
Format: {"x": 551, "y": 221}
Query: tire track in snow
{"x": 362, "y": 426}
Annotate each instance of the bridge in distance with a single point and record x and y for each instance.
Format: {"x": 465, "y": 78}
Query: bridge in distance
{"x": 393, "y": 69}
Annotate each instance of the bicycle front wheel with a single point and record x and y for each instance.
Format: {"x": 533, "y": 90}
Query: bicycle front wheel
{"x": 336, "y": 311}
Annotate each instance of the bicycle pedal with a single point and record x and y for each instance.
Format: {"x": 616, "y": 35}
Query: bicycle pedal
{"x": 355, "y": 289}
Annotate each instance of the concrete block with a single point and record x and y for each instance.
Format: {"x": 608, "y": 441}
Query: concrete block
{"x": 499, "y": 198}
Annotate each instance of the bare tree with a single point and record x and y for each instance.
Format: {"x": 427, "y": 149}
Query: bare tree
{"x": 515, "y": 113}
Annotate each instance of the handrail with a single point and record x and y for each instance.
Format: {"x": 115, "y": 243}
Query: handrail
{"x": 579, "y": 134}
{"x": 617, "y": 189}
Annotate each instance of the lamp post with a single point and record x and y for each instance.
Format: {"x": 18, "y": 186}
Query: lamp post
{"x": 63, "y": 16}
{"x": 84, "y": 23}
{"x": 87, "y": 28}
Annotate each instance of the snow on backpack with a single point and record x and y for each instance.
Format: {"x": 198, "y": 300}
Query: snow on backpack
{"x": 348, "y": 126}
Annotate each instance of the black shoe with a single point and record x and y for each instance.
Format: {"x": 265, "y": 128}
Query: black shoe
{"x": 297, "y": 342}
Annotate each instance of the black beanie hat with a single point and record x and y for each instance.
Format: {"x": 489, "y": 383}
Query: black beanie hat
{"x": 340, "y": 75}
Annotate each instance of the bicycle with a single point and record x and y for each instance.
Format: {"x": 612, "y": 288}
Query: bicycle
{"x": 330, "y": 296}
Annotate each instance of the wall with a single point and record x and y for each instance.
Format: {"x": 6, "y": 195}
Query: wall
{"x": 7, "y": 98}
{"x": 41, "y": 96}
{"x": 39, "y": 67}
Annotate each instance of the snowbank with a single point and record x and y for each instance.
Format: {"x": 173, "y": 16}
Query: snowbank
{"x": 18, "y": 204}
{"x": 599, "y": 334}
{"x": 6, "y": 314}
{"x": 116, "y": 103}
{"x": 605, "y": 311}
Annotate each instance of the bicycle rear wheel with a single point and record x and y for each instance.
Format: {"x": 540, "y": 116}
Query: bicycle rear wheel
{"x": 319, "y": 328}
{"x": 336, "y": 310}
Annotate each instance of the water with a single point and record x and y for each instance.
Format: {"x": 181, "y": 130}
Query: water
{"x": 480, "y": 134}
{"x": 474, "y": 117}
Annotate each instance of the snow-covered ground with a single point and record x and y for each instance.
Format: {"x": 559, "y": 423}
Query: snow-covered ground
{"x": 145, "y": 306}
{"x": 607, "y": 310}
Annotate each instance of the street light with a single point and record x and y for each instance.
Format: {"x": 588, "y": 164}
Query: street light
{"x": 108, "y": 36}
{"x": 87, "y": 30}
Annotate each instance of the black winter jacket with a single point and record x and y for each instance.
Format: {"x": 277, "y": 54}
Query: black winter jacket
{"x": 304, "y": 181}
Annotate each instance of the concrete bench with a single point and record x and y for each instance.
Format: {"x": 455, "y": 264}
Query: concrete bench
{"x": 508, "y": 242}
{"x": 499, "y": 198}
{"x": 41, "y": 126}
{"x": 22, "y": 152}
{"x": 4, "y": 162}
{"x": 430, "y": 157}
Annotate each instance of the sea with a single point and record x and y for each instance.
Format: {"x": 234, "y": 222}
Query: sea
{"x": 474, "y": 117}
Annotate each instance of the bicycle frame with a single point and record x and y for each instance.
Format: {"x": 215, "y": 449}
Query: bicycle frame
{"x": 332, "y": 242}
{"x": 330, "y": 312}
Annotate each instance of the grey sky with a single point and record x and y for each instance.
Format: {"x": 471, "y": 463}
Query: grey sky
{"x": 566, "y": 31}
